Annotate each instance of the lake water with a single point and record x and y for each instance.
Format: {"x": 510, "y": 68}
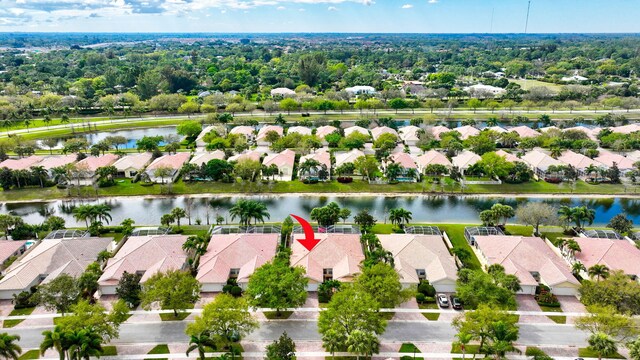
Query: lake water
{"x": 435, "y": 209}
{"x": 132, "y": 136}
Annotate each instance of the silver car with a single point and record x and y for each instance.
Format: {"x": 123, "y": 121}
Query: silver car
{"x": 443, "y": 301}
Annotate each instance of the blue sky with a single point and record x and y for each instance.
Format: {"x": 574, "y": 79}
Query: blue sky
{"x": 398, "y": 16}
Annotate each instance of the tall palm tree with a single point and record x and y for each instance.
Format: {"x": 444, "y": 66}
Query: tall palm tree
{"x": 309, "y": 167}
{"x": 247, "y": 210}
{"x": 9, "y": 349}
{"x": 602, "y": 344}
{"x": 599, "y": 271}
{"x": 566, "y": 214}
{"x": 400, "y": 216}
{"x": 577, "y": 268}
{"x": 362, "y": 343}
{"x": 177, "y": 214}
{"x": 54, "y": 339}
{"x": 102, "y": 213}
{"x": 83, "y": 213}
{"x": 196, "y": 246}
{"x": 503, "y": 336}
{"x": 591, "y": 169}
{"x": 40, "y": 173}
{"x": 583, "y": 215}
{"x": 202, "y": 343}
{"x": 463, "y": 339}
{"x": 84, "y": 344}
{"x": 572, "y": 247}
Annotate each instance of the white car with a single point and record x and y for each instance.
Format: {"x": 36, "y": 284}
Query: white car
{"x": 443, "y": 301}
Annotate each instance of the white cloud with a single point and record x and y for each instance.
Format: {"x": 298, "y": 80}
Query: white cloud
{"x": 280, "y": 8}
{"x": 407, "y": 6}
{"x": 433, "y": 1}
{"x": 332, "y": 8}
{"x": 301, "y": 10}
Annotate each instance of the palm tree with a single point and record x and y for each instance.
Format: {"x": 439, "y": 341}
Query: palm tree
{"x": 101, "y": 213}
{"x": 602, "y": 344}
{"x": 84, "y": 344}
{"x": 8, "y": 347}
{"x": 83, "y": 213}
{"x": 399, "y": 216}
{"x": 556, "y": 152}
{"x": 54, "y": 339}
{"x": 567, "y": 214}
{"x": 577, "y": 268}
{"x": 599, "y": 271}
{"x": 362, "y": 343}
{"x": 463, "y": 339}
{"x": 247, "y": 210}
{"x": 41, "y": 173}
{"x": 572, "y": 247}
{"x": 503, "y": 336}
{"x": 308, "y": 167}
{"x": 202, "y": 343}
{"x": 177, "y": 214}
{"x": 591, "y": 169}
{"x": 584, "y": 214}
{"x": 197, "y": 246}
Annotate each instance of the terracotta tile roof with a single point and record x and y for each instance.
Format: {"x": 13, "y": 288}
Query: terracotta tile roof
{"x": 348, "y": 157}
{"x": 348, "y": 131}
{"x": 92, "y": 163}
{"x": 174, "y": 161}
{"x": 498, "y": 129}
{"x": 22, "y": 163}
{"x": 323, "y": 131}
{"x": 52, "y": 258}
{"x": 205, "y": 157}
{"x": 522, "y": 255}
{"x": 302, "y": 130}
{"x": 525, "y": 131}
{"x": 242, "y": 130}
{"x": 148, "y": 254}
{"x": 608, "y": 158}
{"x": 578, "y": 161}
{"x": 265, "y": 129}
{"x": 51, "y": 162}
{"x": 340, "y": 252}
{"x": 403, "y": 159}
{"x": 377, "y": 131}
{"x": 135, "y": 161}
{"x": 8, "y": 248}
{"x": 615, "y": 254}
{"x": 433, "y": 157}
{"x": 626, "y": 129}
{"x": 284, "y": 158}
{"x": 508, "y": 156}
{"x": 251, "y": 155}
{"x": 321, "y": 155}
{"x": 409, "y": 133}
{"x": 428, "y": 252}
{"x": 246, "y": 252}
{"x": 540, "y": 160}
{"x": 439, "y": 130}
{"x": 467, "y": 131}
{"x": 465, "y": 159}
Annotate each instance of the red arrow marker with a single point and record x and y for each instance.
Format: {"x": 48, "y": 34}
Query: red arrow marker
{"x": 309, "y": 241}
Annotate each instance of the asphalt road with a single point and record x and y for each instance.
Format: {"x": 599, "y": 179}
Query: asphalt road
{"x": 163, "y": 332}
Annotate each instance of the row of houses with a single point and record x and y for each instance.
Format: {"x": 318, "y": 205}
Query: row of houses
{"x": 536, "y": 261}
{"x": 233, "y": 255}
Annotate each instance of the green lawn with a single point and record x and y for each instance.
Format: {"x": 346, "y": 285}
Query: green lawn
{"x": 127, "y": 188}
{"x": 431, "y": 316}
{"x": 456, "y": 235}
{"x": 588, "y": 353}
{"x": 273, "y": 315}
{"x": 528, "y": 84}
{"x": 382, "y": 229}
{"x": 469, "y": 349}
{"x": 159, "y": 349}
{"x": 17, "y": 312}
{"x": 409, "y": 348}
{"x": 558, "y": 319}
{"x": 171, "y": 317}
{"x": 109, "y": 351}
{"x": 31, "y": 354}
{"x": 522, "y": 230}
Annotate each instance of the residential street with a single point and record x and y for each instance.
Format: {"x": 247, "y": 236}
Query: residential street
{"x": 163, "y": 332}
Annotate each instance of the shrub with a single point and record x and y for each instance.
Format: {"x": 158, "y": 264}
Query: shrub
{"x": 420, "y": 298}
{"x": 345, "y": 179}
{"x": 426, "y": 289}
{"x": 429, "y": 299}
{"x": 327, "y": 289}
{"x": 227, "y": 289}
{"x": 236, "y": 291}
{"x": 24, "y": 299}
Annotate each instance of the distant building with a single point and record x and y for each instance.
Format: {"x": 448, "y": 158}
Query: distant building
{"x": 285, "y": 162}
{"x": 131, "y": 165}
{"x": 482, "y": 90}
{"x": 172, "y": 162}
{"x": 282, "y": 92}
{"x": 360, "y": 90}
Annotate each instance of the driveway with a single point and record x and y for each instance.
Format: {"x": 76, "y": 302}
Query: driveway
{"x": 571, "y": 304}
{"x": 529, "y": 303}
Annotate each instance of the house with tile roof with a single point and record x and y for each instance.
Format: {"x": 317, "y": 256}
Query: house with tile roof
{"x": 609, "y": 158}
{"x": 540, "y": 162}
{"x": 579, "y": 161}
{"x": 531, "y": 259}
{"x": 21, "y": 163}
{"x": 498, "y": 129}
{"x": 347, "y": 157}
{"x": 285, "y": 162}
{"x": 249, "y": 154}
{"x": 201, "y": 158}
{"x": 507, "y": 156}
{"x": 9, "y": 249}
{"x": 172, "y": 162}
{"x": 353, "y": 129}
{"x": 87, "y": 167}
{"x": 464, "y": 160}
{"x": 432, "y": 157}
{"x": 410, "y": 135}
{"x": 131, "y": 165}
{"x": 335, "y": 257}
{"x": 47, "y": 260}
{"x": 302, "y": 130}
{"x": 422, "y": 257}
{"x": 617, "y": 255}
{"x": 467, "y": 131}
{"x": 376, "y": 132}
{"x": 234, "y": 256}
{"x": 592, "y": 133}
{"x": 406, "y": 163}
{"x": 525, "y": 131}
{"x": 438, "y": 130}
{"x": 144, "y": 255}
{"x": 246, "y": 131}
{"x": 325, "y": 130}
{"x": 261, "y": 138}
{"x": 322, "y": 156}
{"x": 51, "y": 162}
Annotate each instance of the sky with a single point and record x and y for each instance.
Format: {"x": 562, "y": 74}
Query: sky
{"x": 363, "y": 16}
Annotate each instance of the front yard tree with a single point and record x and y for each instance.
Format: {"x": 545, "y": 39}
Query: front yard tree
{"x": 382, "y": 282}
{"x": 129, "y": 288}
{"x": 618, "y": 290}
{"x": 536, "y": 214}
{"x": 351, "y": 316}
{"x": 277, "y": 285}
{"x": 9, "y": 349}
{"x": 494, "y": 329}
{"x": 496, "y": 288}
{"x": 282, "y": 349}
{"x": 58, "y": 294}
{"x": 602, "y": 344}
{"x": 94, "y": 317}
{"x": 226, "y": 319}
{"x": 176, "y": 290}
{"x": 607, "y": 320}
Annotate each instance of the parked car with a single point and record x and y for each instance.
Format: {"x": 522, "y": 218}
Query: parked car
{"x": 456, "y": 303}
{"x": 443, "y": 301}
